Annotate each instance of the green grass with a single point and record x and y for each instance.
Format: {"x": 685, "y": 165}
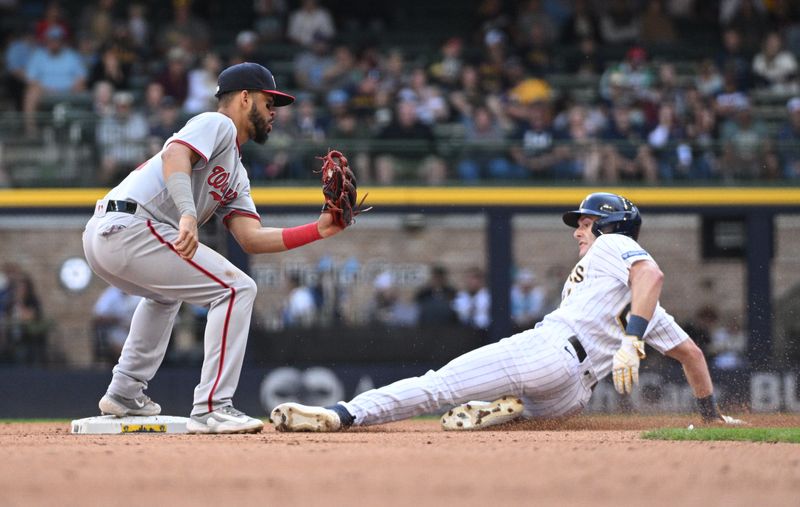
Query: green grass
{"x": 771, "y": 435}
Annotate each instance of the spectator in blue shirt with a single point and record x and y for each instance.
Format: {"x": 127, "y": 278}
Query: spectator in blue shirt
{"x": 55, "y": 69}
{"x": 536, "y": 148}
{"x": 18, "y": 53}
{"x": 484, "y": 149}
{"x": 734, "y": 59}
{"x": 627, "y": 153}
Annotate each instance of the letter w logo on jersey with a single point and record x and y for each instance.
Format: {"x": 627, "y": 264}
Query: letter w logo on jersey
{"x": 219, "y": 179}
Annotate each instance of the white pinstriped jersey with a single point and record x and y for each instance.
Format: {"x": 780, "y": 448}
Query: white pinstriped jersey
{"x": 538, "y": 365}
{"x": 219, "y": 180}
{"x": 596, "y": 300}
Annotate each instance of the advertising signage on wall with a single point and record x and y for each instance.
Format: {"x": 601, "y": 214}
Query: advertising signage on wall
{"x": 28, "y": 392}
{"x": 658, "y": 392}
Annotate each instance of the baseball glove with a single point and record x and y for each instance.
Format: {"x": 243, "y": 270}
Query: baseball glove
{"x": 340, "y": 189}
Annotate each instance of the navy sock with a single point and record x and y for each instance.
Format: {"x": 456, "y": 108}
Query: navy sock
{"x": 345, "y": 416}
{"x": 708, "y": 408}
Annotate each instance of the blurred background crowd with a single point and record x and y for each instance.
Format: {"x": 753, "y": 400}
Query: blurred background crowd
{"x": 452, "y": 92}
{"x": 642, "y": 91}
{"x": 327, "y": 297}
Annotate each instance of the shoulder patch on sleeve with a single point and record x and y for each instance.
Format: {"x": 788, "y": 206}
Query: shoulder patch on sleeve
{"x": 634, "y": 253}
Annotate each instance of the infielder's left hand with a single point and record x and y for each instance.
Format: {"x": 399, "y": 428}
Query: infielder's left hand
{"x": 327, "y": 225}
{"x": 340, "y": 190}
{"x": 625, "y": 368}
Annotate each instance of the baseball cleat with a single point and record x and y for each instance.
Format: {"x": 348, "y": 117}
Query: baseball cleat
{"x": 112, "y": 404}
{"x": 297, "y": 417}
{"x": 224, "y": 420}
{"x": 476, "y": 415}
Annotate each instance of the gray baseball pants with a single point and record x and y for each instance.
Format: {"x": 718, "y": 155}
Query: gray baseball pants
{"x": 135, "y": 254}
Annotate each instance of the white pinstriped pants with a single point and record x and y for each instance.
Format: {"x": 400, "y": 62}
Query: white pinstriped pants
{"x": 542, "y": 370}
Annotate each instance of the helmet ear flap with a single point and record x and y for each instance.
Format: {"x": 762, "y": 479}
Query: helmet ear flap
{"x": 602, "y": 226}
{"x": 626, "y": 222}
{"x": 615, "y": 214}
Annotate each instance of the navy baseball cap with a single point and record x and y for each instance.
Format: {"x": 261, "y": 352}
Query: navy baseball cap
{"x": 251, "y": 76}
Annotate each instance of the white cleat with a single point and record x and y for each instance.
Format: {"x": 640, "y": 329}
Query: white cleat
{"x": 224, "y": 420}
{"x": 297, "y": 417}
{"x": 476, "y": 415}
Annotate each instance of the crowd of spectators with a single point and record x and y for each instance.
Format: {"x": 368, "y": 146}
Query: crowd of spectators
{"x": 495, "y": 101}
{"x": 434, "y": 301}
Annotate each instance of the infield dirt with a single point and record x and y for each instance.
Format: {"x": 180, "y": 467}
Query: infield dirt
{"x": 592, "y": 460}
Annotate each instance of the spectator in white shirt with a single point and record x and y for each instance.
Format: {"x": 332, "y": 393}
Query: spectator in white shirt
{"x": 309, "y": 20}
{"x": 473, "y": 302}
{"x": 527, "y": 300}
{"x": 774, "y": 67}
{"x": 203, "y": 85}
{"x": 301, "y": 309}
{"x": 111, "y": 319}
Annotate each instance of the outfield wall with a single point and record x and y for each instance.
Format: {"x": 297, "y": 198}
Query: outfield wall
{"x": 383, "y": 242}
{"x": 410, "y": 229}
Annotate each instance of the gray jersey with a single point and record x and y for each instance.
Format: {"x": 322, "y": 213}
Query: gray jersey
{"x": 596, "y": 301}
{"x": 135, "y": 252}
{"x": 219, "y": 180}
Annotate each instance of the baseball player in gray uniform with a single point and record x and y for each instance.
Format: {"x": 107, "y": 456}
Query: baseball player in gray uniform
{"x": 609, "y": 310}
{"x": 143, "y": 239}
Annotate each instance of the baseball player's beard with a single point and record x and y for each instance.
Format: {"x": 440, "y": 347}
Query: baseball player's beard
{"x": 260, "y": 132}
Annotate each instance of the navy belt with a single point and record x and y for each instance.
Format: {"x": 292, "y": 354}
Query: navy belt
{"x": 122, "y": 206}
{"x": 579, "y": 350}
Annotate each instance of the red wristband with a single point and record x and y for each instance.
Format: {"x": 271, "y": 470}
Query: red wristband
{"x": 300, "y": 235}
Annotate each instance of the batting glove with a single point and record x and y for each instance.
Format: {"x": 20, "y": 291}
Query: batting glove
{"x": 625, "y": 367}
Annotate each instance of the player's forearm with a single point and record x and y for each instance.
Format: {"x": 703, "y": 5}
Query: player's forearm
{"x": 694, "y": 367}
{"x": 262, "y": 240}
{"x": 255, "y": 239}
{"x": 696, "y": 370}
{"x": 177, "y": 170}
